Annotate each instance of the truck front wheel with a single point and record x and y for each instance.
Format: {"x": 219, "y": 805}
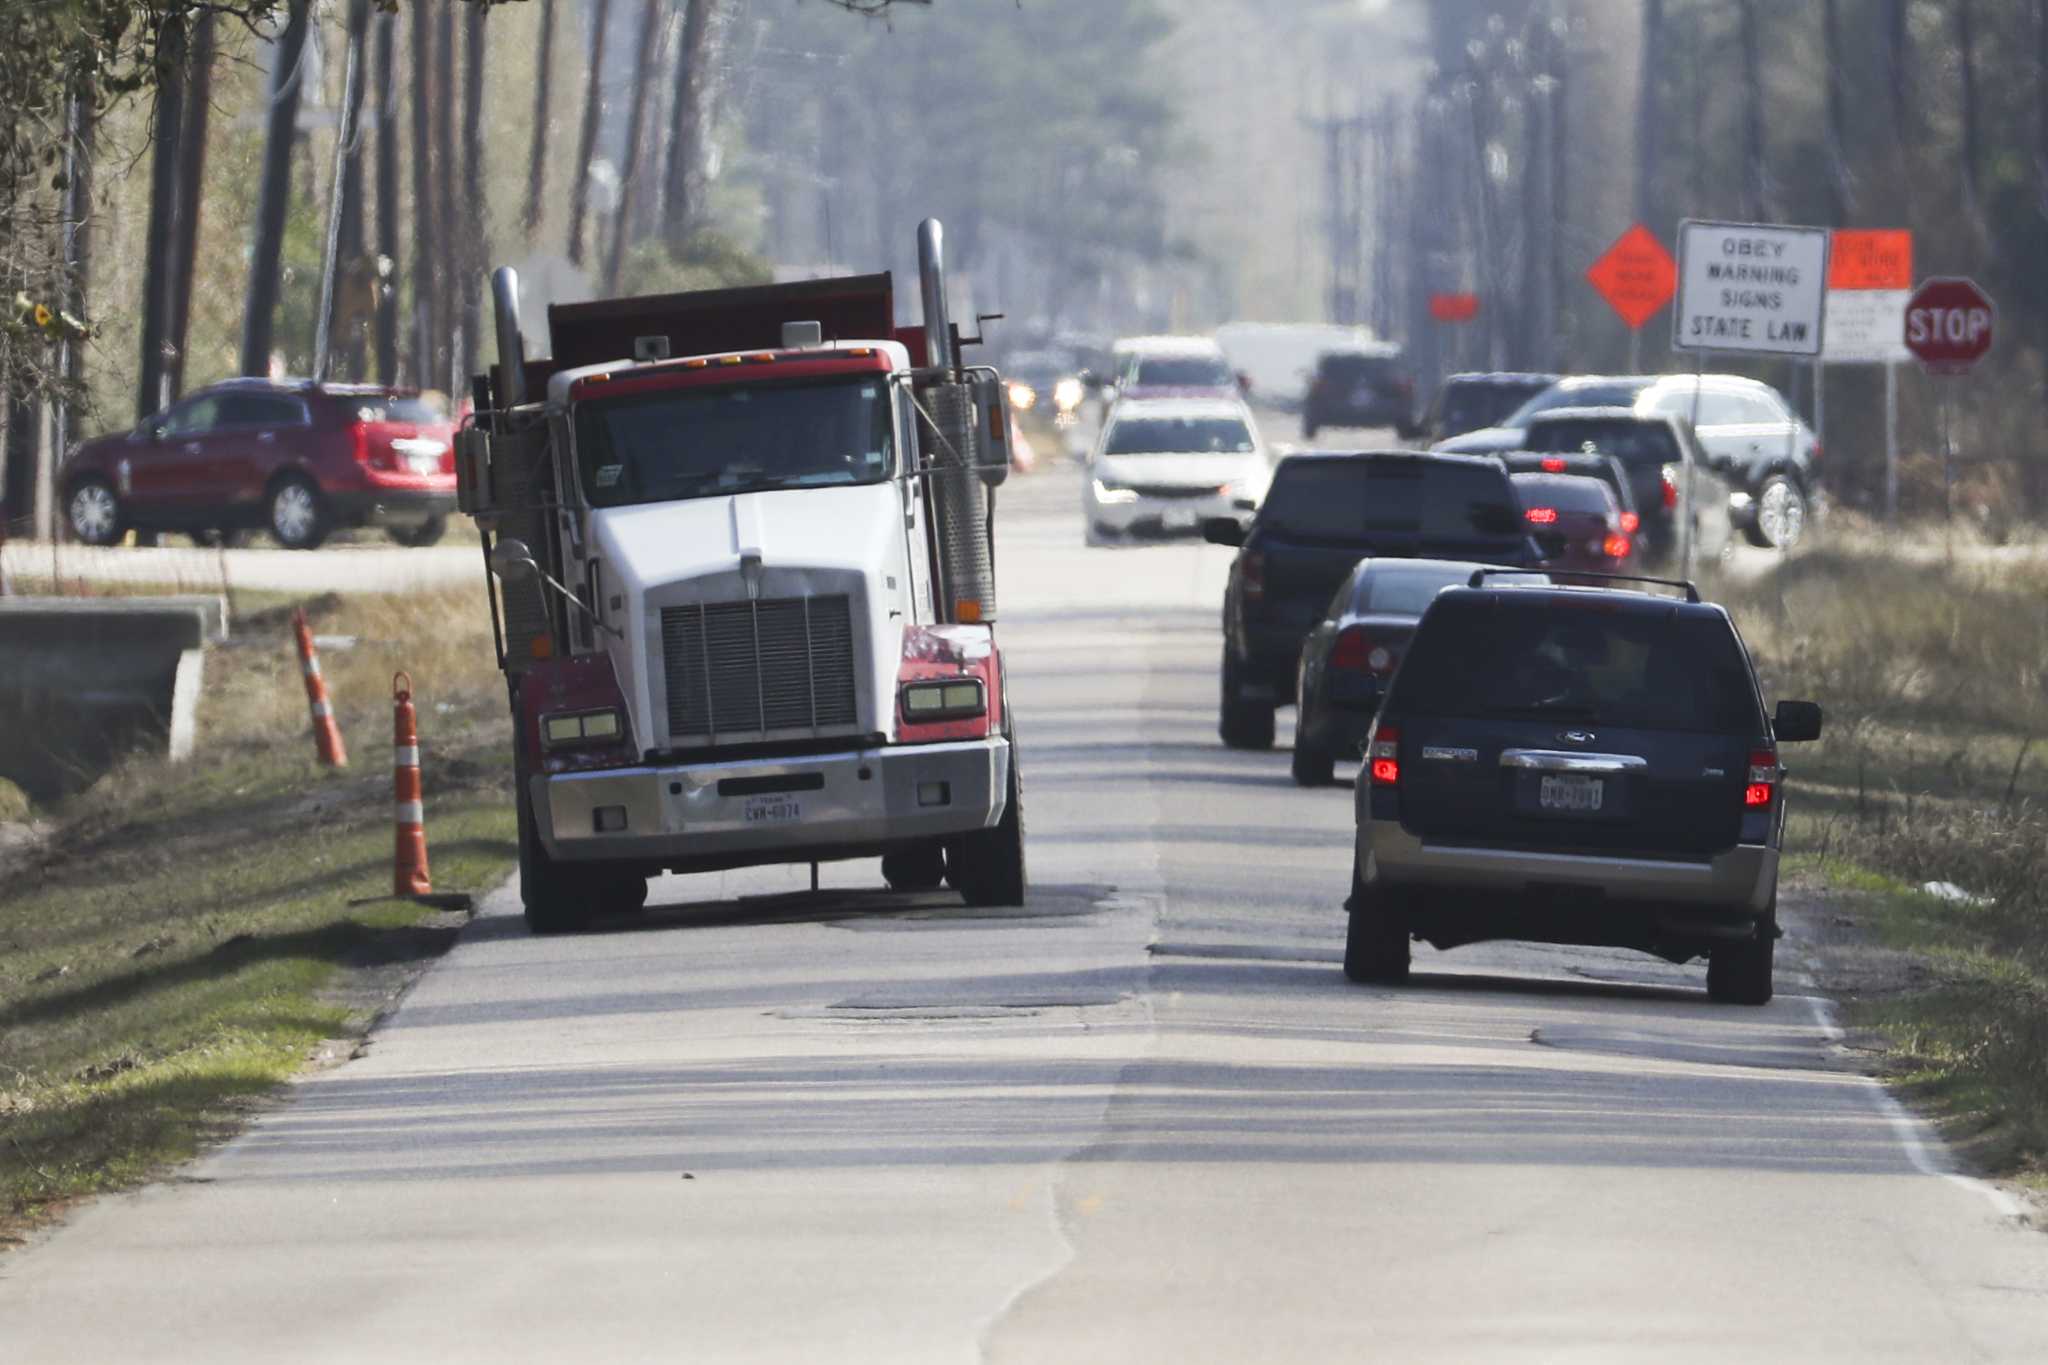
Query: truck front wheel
{"x": 987, "y": 867}
{"x": 552, "y": 906}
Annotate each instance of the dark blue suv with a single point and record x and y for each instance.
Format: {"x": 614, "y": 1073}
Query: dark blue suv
{"x": 1574, "y": 765}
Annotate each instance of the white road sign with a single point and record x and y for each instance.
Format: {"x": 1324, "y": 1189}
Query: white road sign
{"x": 1866, "y": 327}
{"x": 1750, "y": 287}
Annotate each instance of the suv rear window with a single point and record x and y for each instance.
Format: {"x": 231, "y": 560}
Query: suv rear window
{"x": 1340, "y": 368}
{"x": 1633, "y": 443}
{"x": 1613, "y": 393}
{"x": 1590, "y": 662}
{"x": 395, "y": 407}
{"x": 1565, "y": 492}
{"x": 1472, "y": 405}
{"x": 1334, "y": 499}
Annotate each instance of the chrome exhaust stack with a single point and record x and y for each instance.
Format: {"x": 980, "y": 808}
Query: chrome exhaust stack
{"x": 510, "y": 390}
{"x": 931, "y": 274}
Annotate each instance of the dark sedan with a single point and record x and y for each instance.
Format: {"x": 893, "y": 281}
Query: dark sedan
{"x": 1348, "y": 659}
{"x": 1576, "y": 522}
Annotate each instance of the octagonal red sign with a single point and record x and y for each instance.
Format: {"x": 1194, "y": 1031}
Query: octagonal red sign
{"x": 1950, "y": 323}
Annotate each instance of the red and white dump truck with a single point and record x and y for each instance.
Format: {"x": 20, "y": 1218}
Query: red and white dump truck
{"x": 745, "y": 589}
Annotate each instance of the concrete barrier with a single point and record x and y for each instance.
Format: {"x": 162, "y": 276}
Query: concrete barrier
{"x": 86, "y": 681}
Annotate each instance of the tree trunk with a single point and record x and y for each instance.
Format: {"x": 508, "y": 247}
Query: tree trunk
{"x": 259, "y": 315}
{"x": 162, "y": 239}
{"x": 1842, "y": 193}
{"x": 586, "y": 140}
{"x": 1755, "y": 185}
{"x": 643, "y": 74}
{"x": 351, "y": 257}
{"x": 1972, "y": 136}
{"x": 536, "y": 179}
{"x": 476, "y": 248}
{"x": 1649, "y": 118}
{"x": 80, "y": 128}
{"x": 346, "y": 147}
{"x": 647, "y": 206}
{"x": 1898, "y": 52}
{"x": 422, "y": 323}
{"x": 686, "y": 114}
{"x": 387, "y": 199}
{"x": 191, "y": 179}
{"x": 449, "y": 218}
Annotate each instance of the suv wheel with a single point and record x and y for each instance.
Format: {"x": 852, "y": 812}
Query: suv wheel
{"x": 1740, "y": 973}
{"x": 1376, "y": 942}
{"x": 1242, "y": 724}
{"x": 93, "y": 512}
{"x": 298, "y": 519}
{"x": 1312, "y": 767}
{"x": 428, "y": 532}
{"x": 1780, "y": 518}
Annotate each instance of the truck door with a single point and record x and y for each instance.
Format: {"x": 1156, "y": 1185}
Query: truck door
{"x": 916, "y": 540}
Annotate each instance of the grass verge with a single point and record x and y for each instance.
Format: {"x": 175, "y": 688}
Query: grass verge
{"x": 1930, "y": 775}
{"x": 180, "y": 939}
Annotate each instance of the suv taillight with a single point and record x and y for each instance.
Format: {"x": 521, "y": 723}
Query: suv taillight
{"x": 1670, "y": 482}
{"x": 1763, "y": 779}
{"x": 1252, "y": 575}
{"x": 1385, "y": 757}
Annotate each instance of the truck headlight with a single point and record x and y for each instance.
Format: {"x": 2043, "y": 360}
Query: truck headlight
{"x": 945, "y": 699}
{"x": 587, "y": 727}
{"x": 1109, "y": 493}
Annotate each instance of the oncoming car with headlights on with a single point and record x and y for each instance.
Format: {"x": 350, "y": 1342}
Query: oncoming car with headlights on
{"x": 1167, "y": 466}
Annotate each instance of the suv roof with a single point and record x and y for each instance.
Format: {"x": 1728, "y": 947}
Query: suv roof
{"x": 1168, "y": 345}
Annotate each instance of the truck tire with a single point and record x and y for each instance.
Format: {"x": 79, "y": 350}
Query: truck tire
{"x": 1312, "y": 767}
{"x": 987, "y": 866}
{"x": 1740, "y": 973}
{"x": 1242, "y": 724}
{"x": 1376, "y": 940}
{"x": 545, "y": 889}
{"x": 428, "y": 532}
{"x": 922, "y": 868}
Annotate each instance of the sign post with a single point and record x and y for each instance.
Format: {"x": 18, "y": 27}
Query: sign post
{"x": 1870, "y": 277}
{"x": 1637, "y": 277}
{"x": 1950, "y": 325}
{"x": 1757, "y": 288}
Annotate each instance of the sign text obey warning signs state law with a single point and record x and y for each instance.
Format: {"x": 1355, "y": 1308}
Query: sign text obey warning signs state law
{"x": 1750, "y": 287}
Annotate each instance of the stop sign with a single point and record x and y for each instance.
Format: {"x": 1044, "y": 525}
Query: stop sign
{"x": 1949, "y": 323}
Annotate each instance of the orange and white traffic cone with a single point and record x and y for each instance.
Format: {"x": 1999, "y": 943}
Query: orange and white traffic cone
{"x": 409, "y": 859}
{"x": 326, "y": 734}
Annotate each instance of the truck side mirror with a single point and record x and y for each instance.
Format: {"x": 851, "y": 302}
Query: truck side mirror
{"x": 474, "y": 494}
{"x": 1796, "y": 722}
{"x": 992, "y": 407}
{"x": 513, "y": 561}
{"x": 1223, "y": 531}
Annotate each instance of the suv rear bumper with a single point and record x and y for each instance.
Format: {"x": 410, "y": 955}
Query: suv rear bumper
{"x": 389, "y": 506}
{"x": 1743, "y": 879}
{"x": 864, "y": 799}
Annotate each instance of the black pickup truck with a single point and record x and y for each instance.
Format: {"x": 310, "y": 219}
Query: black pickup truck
{"x": 1322, "y": 514}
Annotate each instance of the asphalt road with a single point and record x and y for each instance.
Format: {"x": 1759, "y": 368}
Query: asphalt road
{"x": 1143, "y": 1119}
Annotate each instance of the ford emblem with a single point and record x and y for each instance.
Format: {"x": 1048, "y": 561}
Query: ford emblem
{"x": 1576, "y": 736}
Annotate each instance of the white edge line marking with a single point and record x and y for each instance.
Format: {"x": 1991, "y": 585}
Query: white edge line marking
{"x": 1912, "y": 1131}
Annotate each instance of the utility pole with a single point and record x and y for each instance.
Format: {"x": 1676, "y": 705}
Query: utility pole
{"x": 1343, "y": 190}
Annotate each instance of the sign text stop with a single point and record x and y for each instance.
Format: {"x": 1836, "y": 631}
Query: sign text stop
{"x": 1950, "y": 323}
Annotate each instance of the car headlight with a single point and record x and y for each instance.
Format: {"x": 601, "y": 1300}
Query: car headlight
{"x": 943, "y": 699}
{"x": 584, "y": 727}
{"x": 1022, "y": 396}
{"x": 1067, "y": 394}
{"x": 1111, "y": 493}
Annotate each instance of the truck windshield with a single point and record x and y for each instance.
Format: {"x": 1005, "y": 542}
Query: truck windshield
{"x": 743, "y": 438}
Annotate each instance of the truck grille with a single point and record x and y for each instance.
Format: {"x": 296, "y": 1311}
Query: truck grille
{"x": 749, "y": 668}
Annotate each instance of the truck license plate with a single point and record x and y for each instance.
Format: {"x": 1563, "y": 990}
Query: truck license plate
{"x": 772, "y": 810}
{"x": 1573, "y": 794}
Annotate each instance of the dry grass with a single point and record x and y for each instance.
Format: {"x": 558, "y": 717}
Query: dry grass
{"x": 168, "y": 953}
{"x": 1934, "y": 768}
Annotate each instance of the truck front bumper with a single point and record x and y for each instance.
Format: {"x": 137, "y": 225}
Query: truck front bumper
{"x": 774, "y": 810}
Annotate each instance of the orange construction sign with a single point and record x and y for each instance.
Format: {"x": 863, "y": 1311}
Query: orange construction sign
{"x": 1636, "y": 276}
{"x": 1870, "y": 258}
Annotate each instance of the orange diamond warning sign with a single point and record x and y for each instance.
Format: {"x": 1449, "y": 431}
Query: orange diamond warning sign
{"x": 1636, "y": 276}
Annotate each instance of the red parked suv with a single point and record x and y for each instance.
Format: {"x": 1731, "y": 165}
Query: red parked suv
{"x": 299, "y": 460}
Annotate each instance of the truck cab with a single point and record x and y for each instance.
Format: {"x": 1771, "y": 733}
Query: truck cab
{"x": 745, "y": 591}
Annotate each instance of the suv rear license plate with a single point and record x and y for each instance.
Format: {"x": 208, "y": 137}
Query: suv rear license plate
{"x": 1572, "y": 795}
{"x": 775, "y": 809}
